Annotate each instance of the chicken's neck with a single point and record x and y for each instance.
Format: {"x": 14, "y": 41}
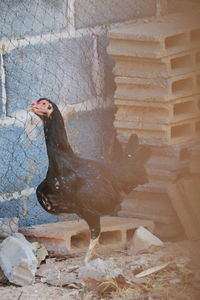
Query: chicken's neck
{"x": 56, "y": 140}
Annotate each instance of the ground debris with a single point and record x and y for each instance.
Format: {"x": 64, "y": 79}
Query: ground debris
{"x": 108, "y": 285}
{"x": 142, "y": 240}
{"x": 151, "y": 270}
{"x": 175, "y": 281}
{"x": 179, "y": 280}
{"x": 62, "y": 279}
{"x": 17, "y": 260}
{"x": 99, "y": 269}
{"x": 3, "y": 278}
{"x": 40, "y": 252}
{"x": 59, "y": 275}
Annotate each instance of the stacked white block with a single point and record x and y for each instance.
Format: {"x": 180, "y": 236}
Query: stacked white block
{"x": 158, "y": 79}
{"x": 151, "y": 201}
{"x": 157, "y": 75}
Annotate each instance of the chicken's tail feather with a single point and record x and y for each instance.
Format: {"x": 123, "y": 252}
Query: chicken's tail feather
{"x": 115, "y": 151}
{"x": 129, "y": 164}
{"x": 142, "y": 154}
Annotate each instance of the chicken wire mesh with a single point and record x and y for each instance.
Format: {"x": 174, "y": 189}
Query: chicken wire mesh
{"x": 54, "y": 49}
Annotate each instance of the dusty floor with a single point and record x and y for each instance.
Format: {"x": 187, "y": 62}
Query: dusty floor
{"x": 57, "y": 278}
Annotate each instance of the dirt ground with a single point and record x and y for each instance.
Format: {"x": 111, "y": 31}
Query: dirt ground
{"x": 178, "y": 278}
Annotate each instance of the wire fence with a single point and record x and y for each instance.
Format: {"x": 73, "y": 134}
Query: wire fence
{"x": 54, "y": 49}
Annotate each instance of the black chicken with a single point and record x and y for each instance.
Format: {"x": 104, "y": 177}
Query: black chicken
{"x": 88, "y": 188}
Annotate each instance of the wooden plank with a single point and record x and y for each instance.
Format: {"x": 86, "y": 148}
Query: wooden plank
{"x": 191, "y": 188}
{"x": 185, "y": 198}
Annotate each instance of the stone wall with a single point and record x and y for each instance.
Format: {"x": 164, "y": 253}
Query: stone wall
{"x": 54, "y": 49}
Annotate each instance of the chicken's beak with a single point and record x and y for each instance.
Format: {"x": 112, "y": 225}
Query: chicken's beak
{"x": 30, "y": 108}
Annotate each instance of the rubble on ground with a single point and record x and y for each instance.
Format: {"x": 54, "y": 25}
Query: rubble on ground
{"x": 167, "y": 269}
{"x": 40, "y": 252}
{"x": 144, "y": 271}
{"x": 99, "y": 269}
{"x": 143, "y": 239}
{"x": 17, "y": 260}
{"x": 8, "y": 226}
{"x": 3, "y": 278}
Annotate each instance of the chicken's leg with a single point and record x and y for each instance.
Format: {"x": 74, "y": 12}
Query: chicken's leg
{"x": 94, "y": 225}
{"x": 90, "y": 251}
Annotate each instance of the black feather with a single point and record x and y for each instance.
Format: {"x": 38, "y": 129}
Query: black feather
{"x": 85, "y": 187}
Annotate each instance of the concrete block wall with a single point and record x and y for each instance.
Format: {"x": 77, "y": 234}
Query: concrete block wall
{"x": 54, "y": 49}
{"x": 92, "y": 12}
{"x": 157, "y": 96}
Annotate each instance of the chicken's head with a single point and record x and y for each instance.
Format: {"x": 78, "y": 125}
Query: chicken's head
{"x": 43, "y": 108}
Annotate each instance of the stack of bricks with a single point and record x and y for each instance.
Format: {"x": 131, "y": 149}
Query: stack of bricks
{"x": 157, "y": 74}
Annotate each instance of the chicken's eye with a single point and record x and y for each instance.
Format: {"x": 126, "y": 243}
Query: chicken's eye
{"x": 49, "y": 107}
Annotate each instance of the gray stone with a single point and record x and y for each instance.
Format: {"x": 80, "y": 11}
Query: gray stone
{"x": 17, "y": 260}
{"x": 143, "y": 239}
{"x": 8, "y": 226}
{"x": 99, "y": 269}
{"x": 93, "y": 12}
{"x": 22, "y": 238}
{"x": 26, "y": 17}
